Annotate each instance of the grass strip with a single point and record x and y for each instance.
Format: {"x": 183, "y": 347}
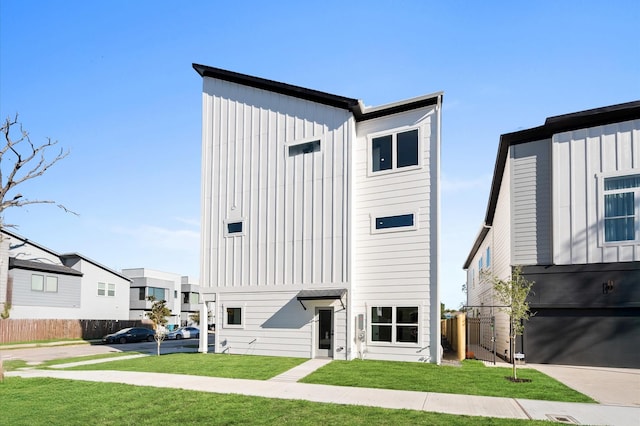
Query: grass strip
{"x": 44, "y": 401}
{"x": 472, "y": 378}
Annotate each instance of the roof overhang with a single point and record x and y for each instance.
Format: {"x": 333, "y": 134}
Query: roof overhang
{"x": 32, "y": 265}
{"x": 324, "y": 294}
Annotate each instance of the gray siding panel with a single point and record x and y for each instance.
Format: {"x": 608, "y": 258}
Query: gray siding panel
{"x": 67, "y": 296}
{"x": 531, "y": 202}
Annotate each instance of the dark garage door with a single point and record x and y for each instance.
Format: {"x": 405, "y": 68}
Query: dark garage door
{"x": 595, "y": 337}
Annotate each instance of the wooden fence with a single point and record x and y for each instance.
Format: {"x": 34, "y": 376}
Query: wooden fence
{"x": 29, "y": 330}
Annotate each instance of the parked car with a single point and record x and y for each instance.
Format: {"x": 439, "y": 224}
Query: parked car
{"x": 132, "y": 334}
{"x": 184, "y": 333}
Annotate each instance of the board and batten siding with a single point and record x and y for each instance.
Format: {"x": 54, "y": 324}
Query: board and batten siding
{"x": 293, "y": 208}
{"x": 397, "y": 268}
{"x": 531, "y": 202}
{"x": 581, "y": 160}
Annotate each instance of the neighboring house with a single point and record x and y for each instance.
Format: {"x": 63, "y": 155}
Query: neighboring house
{"x": 43, "y": 284}
{"x": 319, "y": 221}
{"x": 565, "y": 205}
{"x": 161, "y": 285}
{"x": 191, "y": 301}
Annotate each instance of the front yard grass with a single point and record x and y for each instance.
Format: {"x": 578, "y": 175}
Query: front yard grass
{"x": 46, "y": 401}
{"x": 214, "y": 365}
{"x": 472, "y": 378}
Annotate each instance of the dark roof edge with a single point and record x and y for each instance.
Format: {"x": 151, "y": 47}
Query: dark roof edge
{"x": 476, "y": 245}
{"x": 66, "y": 256}
{"x": 31, "y": 265}
{"x": 277, "y": 87}
{"x": 553, "y": 125}
{"x": 360, "y": 112}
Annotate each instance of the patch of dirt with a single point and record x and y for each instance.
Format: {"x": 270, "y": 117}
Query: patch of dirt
{"x": 511, "y": 379}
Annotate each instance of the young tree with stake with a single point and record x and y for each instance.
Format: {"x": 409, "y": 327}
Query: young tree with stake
{"x": 158, "y": 316}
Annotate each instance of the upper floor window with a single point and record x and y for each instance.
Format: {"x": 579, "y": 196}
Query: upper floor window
{"x": 233, "y": 228}
{"x": 488, "y": 257}
{"x": 401, "y": 222}
{"x": 480, "y": 264}
{"x": 395, "y": 151}
{"x": 158, "y": 293}
{"x": 107, "y": 289}
{"x": 304, "y": 148}
{"x": 621, "y": 207}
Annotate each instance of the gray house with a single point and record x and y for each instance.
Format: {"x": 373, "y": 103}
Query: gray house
{"x": 565, "y": 206}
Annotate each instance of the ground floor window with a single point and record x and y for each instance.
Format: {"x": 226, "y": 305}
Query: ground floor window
{"x": 394, "y": 324}
{"x": 233, "y": 317}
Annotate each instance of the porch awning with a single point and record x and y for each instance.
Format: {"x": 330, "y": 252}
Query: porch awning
{"x": 324, "y": 294}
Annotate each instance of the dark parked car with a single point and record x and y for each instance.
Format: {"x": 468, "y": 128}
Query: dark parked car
{"x": 127, "y": 335}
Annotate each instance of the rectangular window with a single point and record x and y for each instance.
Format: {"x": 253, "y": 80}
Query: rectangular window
{"x": 392, "y": 223}
{"x": 304, "y": 148}
{"x": 488, "y": 257}
{"x": 394, "y": 324}
{"x": 51, "y": 285}
{"x": 102, "y": 289}
{"x": 141, "y": 293}
{"x": 621, "y": 196}
{"x": 158, "y": 293}
{"x": 395, "y": 151}
{"x": 234, "y": 317}
{"x": 233, "y": 228}
{"x": 111, "y": 290}
{"x": 480, "y": 264}
{"x": 37, "y": 282}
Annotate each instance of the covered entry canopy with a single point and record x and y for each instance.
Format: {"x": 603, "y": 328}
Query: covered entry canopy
{"x": 324, "y": 294}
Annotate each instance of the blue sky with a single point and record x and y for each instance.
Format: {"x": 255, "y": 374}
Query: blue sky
{"x": 112, "y": 82}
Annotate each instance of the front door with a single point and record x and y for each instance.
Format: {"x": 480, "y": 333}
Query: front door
{"x": 324, "y": 334}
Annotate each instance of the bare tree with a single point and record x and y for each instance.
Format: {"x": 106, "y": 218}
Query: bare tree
{"x": 158, "y": 316}
{"x": 20, "y": 161}
{"x": 512, "y": 294}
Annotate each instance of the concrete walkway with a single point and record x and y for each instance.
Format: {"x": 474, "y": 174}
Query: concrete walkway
{"x": 285, "y": 387}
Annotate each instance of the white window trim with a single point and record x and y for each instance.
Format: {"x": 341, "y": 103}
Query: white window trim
{"x": 225, "y": 324}
{"x": 386, "y": 213}
{"x": 42, "y": 283}
{"x": 235, "y": 234}
{"x": 393, "y": 323}
{"x": 394, "y": 150}
{"x": 600, "y": 177}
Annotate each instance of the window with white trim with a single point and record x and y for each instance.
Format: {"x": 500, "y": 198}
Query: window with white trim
{"x": 304, "y": 148}
{"x": 395, "y": 151}
{"x": 488, "y": 257}
{"x": 391, "y": 223}
{"x": 48, "y": 284}
{"x": 107, "y": 289}
{"x": 233, "y": 228}
{"x": 233, "y": 317}
{"x": 621, "y": 207}
{"x": 394, "y": 324}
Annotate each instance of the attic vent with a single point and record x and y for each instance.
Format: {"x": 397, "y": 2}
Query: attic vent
{"x": 304, "y": 148}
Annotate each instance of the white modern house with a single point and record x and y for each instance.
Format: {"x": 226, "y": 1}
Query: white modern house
{"x": 319, "y": 221}
{"x": 565, "y": 206}
{"x": 161, "y": 285}
{"x": 40, "y": 283}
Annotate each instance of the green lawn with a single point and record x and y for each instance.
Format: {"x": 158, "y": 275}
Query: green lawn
{"x": 472, "y": 378}
{"x": 68, "y": 402}
{"x": 214, "y": 365}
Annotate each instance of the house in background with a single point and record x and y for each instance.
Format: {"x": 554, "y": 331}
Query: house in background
{"x": 319, "y": 221}
{"x": 43, "y": 284}
{"x": 191, "y": 301}
{"x": 565, "y": 205}
{"x": 161, "y": 285}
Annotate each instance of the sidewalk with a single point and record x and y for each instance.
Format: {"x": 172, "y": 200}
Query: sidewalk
{"x": 285, "y": 387}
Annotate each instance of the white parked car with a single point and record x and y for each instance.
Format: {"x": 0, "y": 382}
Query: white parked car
{"x": 184, "y": 333}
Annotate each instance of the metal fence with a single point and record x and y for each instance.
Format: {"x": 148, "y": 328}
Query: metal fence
{"x": 29, "y": 330}
{"x": 481, "y": 338}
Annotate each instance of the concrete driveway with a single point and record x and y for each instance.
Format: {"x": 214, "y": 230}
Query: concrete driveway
{"x": 611, "y": 386}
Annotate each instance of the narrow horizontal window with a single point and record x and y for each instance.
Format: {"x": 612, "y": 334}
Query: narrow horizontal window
{"x": 234, "y": 227}
{"x": 304, "y": 148}
{"x": 386, "y": 222}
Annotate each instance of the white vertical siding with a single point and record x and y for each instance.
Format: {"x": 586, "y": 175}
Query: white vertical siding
{"x": 294, "y": 208}
{"x": 529, "y": 165}
{"x": 580, "y": 160}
